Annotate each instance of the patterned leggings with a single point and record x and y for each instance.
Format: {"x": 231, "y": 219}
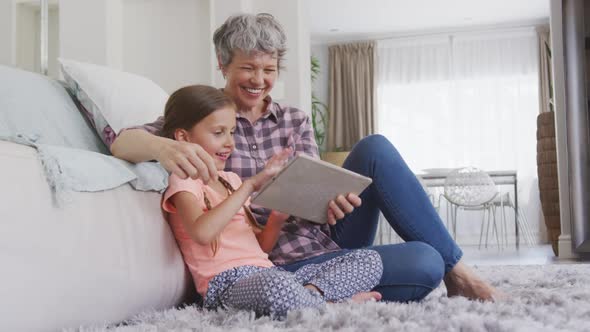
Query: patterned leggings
{"x": 274, "y": 291}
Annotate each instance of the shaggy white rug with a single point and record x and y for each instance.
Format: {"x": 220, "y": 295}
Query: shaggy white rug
{"x": 542, "y": 298}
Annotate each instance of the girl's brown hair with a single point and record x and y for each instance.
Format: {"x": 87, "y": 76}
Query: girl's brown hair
{"x": 189, "y": 105}
{"x": 184, "y": 109}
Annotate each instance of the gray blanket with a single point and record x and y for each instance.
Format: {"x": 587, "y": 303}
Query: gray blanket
{"x": 72, "y": 169}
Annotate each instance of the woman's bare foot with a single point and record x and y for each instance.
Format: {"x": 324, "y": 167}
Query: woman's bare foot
{"x": 462, "y": 281}
{"x": 365, "y": 296}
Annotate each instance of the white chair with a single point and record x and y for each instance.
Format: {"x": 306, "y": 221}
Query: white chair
{"x": 472, "y": 189}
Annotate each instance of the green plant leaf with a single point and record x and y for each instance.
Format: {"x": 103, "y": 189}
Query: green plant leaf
{"x": 319, "y": 110}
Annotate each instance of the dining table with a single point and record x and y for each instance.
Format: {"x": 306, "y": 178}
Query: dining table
{"x": 435, "y": 177}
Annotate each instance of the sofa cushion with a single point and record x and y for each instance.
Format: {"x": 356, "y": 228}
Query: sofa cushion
{"x": 37, "y": 111}
{"x": 35, "y": 105}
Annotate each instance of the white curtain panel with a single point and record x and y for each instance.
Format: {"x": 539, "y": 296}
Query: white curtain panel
{"x": 467, "y": 99}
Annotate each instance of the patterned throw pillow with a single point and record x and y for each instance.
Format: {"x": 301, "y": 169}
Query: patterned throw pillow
{"x": 111, "y": 99}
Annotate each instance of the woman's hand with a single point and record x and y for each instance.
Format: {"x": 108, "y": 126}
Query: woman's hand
{"x": 186, "y": 160}
{"x": 272, "y": 168}
{"x": 342, "y": 206}
{"x": 181, "y": 158}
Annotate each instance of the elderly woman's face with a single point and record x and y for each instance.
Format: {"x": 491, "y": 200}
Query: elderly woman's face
{"x": 250, "y": 77}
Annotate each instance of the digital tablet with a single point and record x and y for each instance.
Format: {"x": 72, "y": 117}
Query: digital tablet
{"x": 305, "y": 186}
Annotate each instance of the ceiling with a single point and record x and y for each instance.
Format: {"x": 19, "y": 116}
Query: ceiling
{"x": 337, "y": 20}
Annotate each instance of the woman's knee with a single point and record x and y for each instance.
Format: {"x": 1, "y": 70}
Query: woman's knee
{"x": 428, "y": 262}
{"x": 374, "y": 147}
{"x": 373, "y": 144}
{"x": 411, "y": 271}
{"x": 412, "y": 263}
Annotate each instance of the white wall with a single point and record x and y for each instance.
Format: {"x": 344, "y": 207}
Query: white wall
{"x": 19, "y": 35}
{"x": 28, "y": 39}
{"x": 293, "y": 15}
{"x": 6, "y": 32}
{"x": 169, "y": 43}
{"x": 53, "y": 42}
{"x": 83, "y": 30}
{"x": 166, "y": 41}
{"x": 114, "y": 33}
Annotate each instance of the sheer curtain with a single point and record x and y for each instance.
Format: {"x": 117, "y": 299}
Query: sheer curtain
{"x": 467, "y": 99}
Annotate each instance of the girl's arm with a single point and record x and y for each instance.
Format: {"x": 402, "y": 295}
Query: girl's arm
{"x": 202, "y": 227}
{"x": 270, "y": 234}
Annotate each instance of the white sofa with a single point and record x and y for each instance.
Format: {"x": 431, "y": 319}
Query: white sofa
{"x": 99, "y": 258}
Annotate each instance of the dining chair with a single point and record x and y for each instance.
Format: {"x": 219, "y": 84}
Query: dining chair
{"x": 472, "y": 189}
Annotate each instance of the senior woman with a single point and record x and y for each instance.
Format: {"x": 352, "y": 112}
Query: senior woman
{"x": 250, "y": 51}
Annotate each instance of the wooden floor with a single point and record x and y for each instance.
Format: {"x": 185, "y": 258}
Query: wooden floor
{"x": 526, "y": 255}
{"x": 472, "y": 255}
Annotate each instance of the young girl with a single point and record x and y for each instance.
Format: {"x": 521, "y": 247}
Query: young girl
{"x": 223, "y": 246}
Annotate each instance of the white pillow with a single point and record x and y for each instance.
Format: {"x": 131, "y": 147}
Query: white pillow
{"x": 113, "y": 99}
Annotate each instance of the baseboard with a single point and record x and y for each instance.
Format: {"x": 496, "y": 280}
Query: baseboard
{"x": 565, "y": 247}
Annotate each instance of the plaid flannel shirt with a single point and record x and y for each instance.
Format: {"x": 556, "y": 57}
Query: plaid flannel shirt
{"x": 278, "y": 128}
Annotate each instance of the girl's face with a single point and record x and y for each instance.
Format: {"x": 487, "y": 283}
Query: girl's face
{"x": 215, "y": 134}
{"x": 250, "y": 77}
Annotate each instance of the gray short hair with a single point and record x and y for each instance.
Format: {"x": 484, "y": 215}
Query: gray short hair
{"x": 249, "y": 32}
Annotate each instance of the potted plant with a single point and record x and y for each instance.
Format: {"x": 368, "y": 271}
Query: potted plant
{"x": 319, "y": 121}
{"x": 319, "y": 110}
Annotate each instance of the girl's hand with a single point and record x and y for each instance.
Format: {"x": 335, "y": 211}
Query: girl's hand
{"x": 272, "y": 168}
{"x": 342, "y": 206}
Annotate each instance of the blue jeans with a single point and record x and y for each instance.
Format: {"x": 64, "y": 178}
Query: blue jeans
{"x": 413, "y": 269}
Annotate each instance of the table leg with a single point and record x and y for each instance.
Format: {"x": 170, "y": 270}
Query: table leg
{"x": 516, "y": 230}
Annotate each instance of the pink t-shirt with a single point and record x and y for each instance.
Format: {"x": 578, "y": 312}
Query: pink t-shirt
{"x": 238, "y": 245}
